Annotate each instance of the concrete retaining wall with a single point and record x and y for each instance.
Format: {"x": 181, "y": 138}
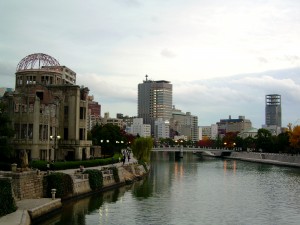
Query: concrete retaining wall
{"x": 26, "y": 185}
{"x": 289, "y": 160}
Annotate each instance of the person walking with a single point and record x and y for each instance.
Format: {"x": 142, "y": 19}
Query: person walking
{"x": 123, "y": 159}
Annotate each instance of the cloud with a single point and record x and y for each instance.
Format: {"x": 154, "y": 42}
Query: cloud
{"x": 214, "y": 99}
{"x": 167, "y": 53}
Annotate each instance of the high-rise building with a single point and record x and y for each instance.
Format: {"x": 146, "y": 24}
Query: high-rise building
{"x": 273, "y": 110}
{"x": 154, "y": 101}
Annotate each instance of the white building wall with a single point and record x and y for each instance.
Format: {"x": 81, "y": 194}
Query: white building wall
{"x": 162, "y": 128}
{"x": 137, "y": 127}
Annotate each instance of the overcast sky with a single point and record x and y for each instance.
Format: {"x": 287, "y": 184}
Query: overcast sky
{"x": 222, "y": 57}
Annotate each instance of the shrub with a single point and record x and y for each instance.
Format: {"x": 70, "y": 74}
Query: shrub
{"x": 63, "y": 183}
{"x": 6, "y": 198}
{"x": 95, "y": 179}
{"x": 39, "y": 164}
{"x": 42, "y": 165}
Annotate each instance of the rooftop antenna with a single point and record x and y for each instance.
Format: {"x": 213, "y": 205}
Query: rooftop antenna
{"x": 146, "y": 77}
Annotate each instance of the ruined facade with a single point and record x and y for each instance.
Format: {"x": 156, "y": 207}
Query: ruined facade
{"x": 48, "y": 110}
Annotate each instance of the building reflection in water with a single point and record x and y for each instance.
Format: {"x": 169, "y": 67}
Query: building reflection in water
{"x": 229, "y": 165}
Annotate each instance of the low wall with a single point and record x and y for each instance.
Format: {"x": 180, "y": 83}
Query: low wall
{"x": 26, "y": 185}
{"x": 282, "y": 159}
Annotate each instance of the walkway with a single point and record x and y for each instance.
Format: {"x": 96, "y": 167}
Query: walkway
{"x": 26, "y": 206}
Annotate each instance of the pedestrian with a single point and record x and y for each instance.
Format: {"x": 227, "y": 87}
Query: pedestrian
{"x": 124, "y": 158}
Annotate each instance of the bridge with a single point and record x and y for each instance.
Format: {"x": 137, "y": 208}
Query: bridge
{"x": 215, "y": 152}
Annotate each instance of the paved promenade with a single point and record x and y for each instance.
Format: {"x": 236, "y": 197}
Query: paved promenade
{"x": 21, "y": 216}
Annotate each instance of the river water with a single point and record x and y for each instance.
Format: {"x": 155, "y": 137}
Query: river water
{"x": 194, "y": 191}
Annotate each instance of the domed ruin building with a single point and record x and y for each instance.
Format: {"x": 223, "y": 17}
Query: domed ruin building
{"x": 48, "y": 110}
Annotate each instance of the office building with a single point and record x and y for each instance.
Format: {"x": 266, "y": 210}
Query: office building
{"x": 208, "y": 132}
{"x": 154, "y": 101}
{"x": 184, "y": 124}
{"x": 273, "y": 110}
{"x": 161, "y": 128}
{"x": 138, "y": 128}
{"x": 233, "y": 125}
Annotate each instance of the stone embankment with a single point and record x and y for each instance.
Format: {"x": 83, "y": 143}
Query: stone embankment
{"x": 29, "y": 190}
{"x": 268, "y": 158}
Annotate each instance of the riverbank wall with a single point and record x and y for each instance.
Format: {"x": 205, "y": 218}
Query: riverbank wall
{"x": 268, "y": 158}
{"x": 29, "y": 189}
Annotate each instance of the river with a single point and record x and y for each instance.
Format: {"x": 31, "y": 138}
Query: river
{"x": 194, "y": 191}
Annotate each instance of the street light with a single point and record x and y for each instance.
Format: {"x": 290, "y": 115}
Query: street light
{"x": 55, "y": 144}
{"x": 102, "y": 145}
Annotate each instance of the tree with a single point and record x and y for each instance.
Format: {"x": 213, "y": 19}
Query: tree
{"x": 264, "y": 140}
{"x": 294, "y": 138}
{"x": 109, "y": 137}
{"x": 6, "y": 134}
{"x": 205, "y": 142}
{"x": 249, "y": 142}
{"x": 282, "y": 142}
{"x": 141, "y": 148}
{"x": 229, "y": 140}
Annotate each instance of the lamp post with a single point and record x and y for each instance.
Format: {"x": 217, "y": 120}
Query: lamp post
{"x": 55, "y": 140}
{"x": 103, "y": 142}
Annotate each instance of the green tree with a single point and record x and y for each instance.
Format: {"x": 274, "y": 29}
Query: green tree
{"x": 282, "y": 142}
{"x": 6, "y": 134}
{"x": 109, "y": 137}
{"x": 264, "y": 140}
{"x": 141, "y": 148}
{"x": 249, "y": 142}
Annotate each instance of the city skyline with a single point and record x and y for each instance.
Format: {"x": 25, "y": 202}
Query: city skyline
{"x": 221, "y": 59}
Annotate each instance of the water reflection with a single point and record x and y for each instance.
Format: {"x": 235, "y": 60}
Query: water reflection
{"x": 229, "y": 165}
{"x": 75, "y": 211}
{"x": 195, "y": 191}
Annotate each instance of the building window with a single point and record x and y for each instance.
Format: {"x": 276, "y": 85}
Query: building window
{"x": 66, "y": 111}
{"x": 82, "y": 113}
{"x": 81, "y": 134}
{"x": 43, "y": 154}
{"x": 66, "y": 133}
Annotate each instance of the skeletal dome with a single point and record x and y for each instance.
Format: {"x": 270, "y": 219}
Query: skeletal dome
{"x": 36, "y": 61}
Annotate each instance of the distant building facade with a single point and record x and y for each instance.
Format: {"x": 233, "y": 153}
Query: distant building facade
{"x": 233, "y": 125}
{"x": 139, "y": 128}
{"x": 48, "y": 111}
{"x": 154, "y": 101}
{"x": 161, "y": 128}
{"x": 273, "y": 110}
{"x": 208, "y": 132}
{"x": 114, "y": 121}
{"x": 184, "y": 124}
{"x": 94, "y": 113}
